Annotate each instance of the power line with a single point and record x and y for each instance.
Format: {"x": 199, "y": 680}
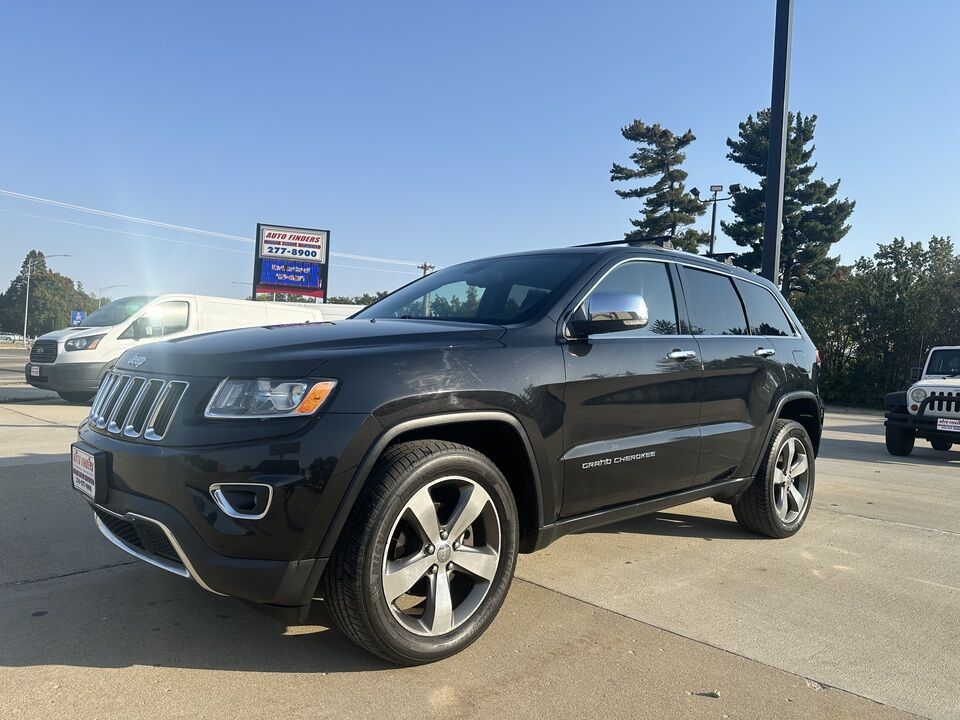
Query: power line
{"x": 179, "y": 228}
{"x": 194, "y": 244}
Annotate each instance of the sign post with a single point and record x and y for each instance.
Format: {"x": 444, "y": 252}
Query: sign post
{"x": 291, "y": 260}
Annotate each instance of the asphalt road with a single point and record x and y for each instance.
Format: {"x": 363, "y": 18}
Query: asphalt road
{"x": 855, "y": 617}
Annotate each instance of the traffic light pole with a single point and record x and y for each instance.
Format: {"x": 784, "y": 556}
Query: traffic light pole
{"x": 777, "y": 153}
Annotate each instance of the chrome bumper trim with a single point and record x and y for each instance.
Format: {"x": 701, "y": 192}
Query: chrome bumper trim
{"x": 187, "y": 570}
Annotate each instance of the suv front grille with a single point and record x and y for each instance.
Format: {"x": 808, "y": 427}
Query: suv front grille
{"x": 43, "y": 351}
{"x": 142, "y": 536}
{"x": 134, "y": 406}
{"x": 944, "y": 403}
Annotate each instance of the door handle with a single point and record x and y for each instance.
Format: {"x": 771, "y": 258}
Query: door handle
{"x": 681, "y": 355}
{"x": 764, "y": 352}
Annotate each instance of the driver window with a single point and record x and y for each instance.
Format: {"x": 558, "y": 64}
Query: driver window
{"x": 652, "y": 281}
{"x": 164, "y": 319}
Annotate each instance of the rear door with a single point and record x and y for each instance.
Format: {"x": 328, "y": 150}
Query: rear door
{"x": 769, "y": 320}
{"x": 740, "y": 376}
{"x": 631, "y": 412}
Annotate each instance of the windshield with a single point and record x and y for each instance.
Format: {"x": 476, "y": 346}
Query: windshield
{"x": 496, "y": 290}
{"x": 116, "y": 312}
{"x": 944, "y": 362}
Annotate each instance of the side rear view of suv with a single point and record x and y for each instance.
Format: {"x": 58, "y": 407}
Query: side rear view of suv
{"x": 396, "y": 463}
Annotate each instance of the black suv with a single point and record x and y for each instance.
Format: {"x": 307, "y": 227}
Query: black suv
{"x": 395, "y": 463}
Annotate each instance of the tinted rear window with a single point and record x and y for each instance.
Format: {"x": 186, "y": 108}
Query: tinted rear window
{"x": 713, "y": 304}
{"x": 764, "y": 313}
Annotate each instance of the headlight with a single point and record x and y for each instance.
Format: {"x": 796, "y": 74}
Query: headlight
{"x": 87, "y": 342}
{"x": 268, "y": 397}
{"x": 918, "y": 395}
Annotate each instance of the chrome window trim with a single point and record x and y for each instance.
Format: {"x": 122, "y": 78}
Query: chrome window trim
{"x": 620, "y": 335}
{"x": 218, "y": 497}
{"x": 188, "y": 570}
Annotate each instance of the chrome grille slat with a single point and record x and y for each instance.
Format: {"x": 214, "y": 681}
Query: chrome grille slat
{"x": 145, "y": 405}
{"x": 134, "y": 406}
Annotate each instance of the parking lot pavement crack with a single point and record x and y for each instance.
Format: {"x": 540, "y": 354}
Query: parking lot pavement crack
{"x": 823, "y": 684}
{"x": 912, "y": 526}
{"x": 33, "y": 581}
{"x": 47, "y": 423}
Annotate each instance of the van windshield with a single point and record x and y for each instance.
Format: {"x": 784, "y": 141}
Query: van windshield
{"x": 116, "y": 312}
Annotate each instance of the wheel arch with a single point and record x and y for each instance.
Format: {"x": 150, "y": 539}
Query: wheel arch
{"x": 802, "y": 406}
{"x": 497, "y": 434}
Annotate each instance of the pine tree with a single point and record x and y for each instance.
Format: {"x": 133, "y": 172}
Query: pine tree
{"x": 668, "y": 207}
{"x": 813, "y": 218}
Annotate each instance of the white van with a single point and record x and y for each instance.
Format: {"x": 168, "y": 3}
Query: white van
{"x": 72, "y": 361}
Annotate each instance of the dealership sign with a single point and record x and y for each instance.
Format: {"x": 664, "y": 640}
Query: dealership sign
{"x": 291, "y": 260}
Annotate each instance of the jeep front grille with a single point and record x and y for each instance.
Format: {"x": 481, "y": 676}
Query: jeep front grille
{"x": 134, "y": 406}
{"x": 944, "y": 403}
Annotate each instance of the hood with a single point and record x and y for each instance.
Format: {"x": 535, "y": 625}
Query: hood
{"x": 938, "y": 383}
{"x": 296, "y": 350}
{"x": 72, "y": 332}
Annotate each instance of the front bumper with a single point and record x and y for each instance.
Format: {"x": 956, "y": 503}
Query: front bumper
{"x": 66, "y": 377}
{"x": 925, "y": 426}
{"x": 154, "y": 502}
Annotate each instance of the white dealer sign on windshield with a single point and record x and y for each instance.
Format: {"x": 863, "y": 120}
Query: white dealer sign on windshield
{"x": 281, "y": 242}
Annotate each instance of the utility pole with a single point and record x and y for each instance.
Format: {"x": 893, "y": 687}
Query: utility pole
{"x": 426, "y": 267}
{"x": 777, "y": 153}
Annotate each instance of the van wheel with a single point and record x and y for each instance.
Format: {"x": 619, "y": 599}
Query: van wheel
{"x": 899, "y": 441}
{"x": 77, "y": 397}
{"x": 941, "y": 444}
{"x": 427, "y": 556}
{"x": 778, "y": 501}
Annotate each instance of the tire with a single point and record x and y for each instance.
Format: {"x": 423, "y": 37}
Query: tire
{"x": 942, "y": 445}
{"x": 770, "y": 506}
{"x": 899, "y": 441}
{"x": 77, "y": 397}
{"x": 383, "y": 532}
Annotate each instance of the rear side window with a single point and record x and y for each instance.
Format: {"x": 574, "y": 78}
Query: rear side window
{"x": 764, "y": 313}
{"x": 713, "y": 304}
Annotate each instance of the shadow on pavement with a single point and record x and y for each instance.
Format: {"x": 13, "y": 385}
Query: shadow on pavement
{"x": 678, "y": 525}
{"x": 135, "y": 615}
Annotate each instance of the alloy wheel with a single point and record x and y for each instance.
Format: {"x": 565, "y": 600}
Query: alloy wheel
{"x": 442, "y": 555}
{"x": 791, "y": 480}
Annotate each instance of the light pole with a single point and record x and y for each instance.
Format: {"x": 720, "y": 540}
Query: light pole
{"x": 100, "y": 294}
{"x": 26, "y": 299}
{"x": 715, "y": 189}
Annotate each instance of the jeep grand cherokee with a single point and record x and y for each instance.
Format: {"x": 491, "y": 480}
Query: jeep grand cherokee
{"x": 395, "y": 463}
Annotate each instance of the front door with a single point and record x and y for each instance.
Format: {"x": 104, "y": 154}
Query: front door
{"x": 632, "y": 400}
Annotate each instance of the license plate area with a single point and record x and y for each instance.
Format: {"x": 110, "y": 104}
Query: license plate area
{"x": 948, "y": 424}
{"x": 34, "y": 371}
{"x": 88, "y": 472}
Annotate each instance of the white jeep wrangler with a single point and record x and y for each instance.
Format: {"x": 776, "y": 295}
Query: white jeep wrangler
{"x": 930, "y": 408}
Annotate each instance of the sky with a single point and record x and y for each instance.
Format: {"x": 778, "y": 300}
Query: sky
{"x": 436, "y": 131}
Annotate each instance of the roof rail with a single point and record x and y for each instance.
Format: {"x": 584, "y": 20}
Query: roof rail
{"x": 663, "y": 242}
{"x": 725, "y": 257}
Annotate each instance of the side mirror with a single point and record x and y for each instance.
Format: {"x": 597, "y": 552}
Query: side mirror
{"x": 141, "y": 327}
{"x": 915, "y": 373}
{"x": 608, "y": 312}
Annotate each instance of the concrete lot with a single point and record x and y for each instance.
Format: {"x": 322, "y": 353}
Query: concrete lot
{"x": 855, "y": 617}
